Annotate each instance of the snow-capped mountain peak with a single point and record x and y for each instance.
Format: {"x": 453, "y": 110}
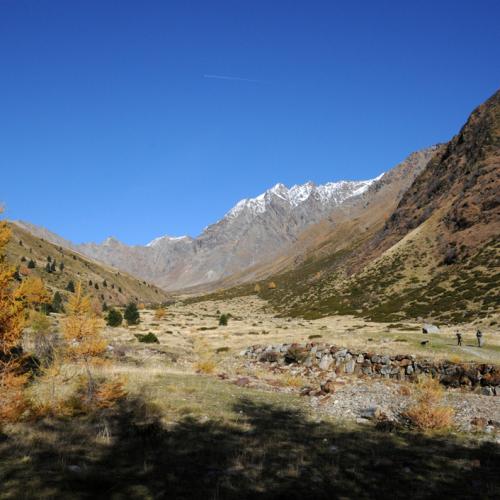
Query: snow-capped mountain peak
{"x": 162, "y": 239}
{"x": 329, "y": 194}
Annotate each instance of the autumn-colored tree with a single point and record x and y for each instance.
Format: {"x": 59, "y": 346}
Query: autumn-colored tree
{"x": 44, "y": 337}
{"x": 257, "y": 288}
{"x": 82, "y": 330}
{"x": 160, "y": 313}
{"x": 12, "y": 312}
{"x": 32, "y": 292}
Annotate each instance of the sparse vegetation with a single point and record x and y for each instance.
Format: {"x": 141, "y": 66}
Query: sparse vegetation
{"x": 148, "y": 338}
{"x": 428, "y": 411}
{"x": 160, "y": 313}
{"x": 131, "y": 314}
{"x": 206, "y": 366}
{"x": 114, "y": 318}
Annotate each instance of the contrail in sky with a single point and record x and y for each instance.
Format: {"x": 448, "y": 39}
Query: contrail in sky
{"x": 234, "y": 78}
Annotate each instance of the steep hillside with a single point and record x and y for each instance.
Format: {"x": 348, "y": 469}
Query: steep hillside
{"x": 437, "y": 255}
{"x": 106, "y": 284}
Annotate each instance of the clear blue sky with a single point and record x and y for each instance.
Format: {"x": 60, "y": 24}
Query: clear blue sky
{"x": 108, "y": 125}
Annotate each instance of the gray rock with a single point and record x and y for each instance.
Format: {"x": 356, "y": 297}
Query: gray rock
{"x": 385, "y": 370}
{"x": 429, "y": 328}
{"x": 326, "y": 362}
{"x": 409, "y": 369}
{"x": 373, "y": 412}
{"x": 349, "y": 366}
{"x": 360, "y": 358}
{"x": 487, "y": 391}
{"x": 308, "y": 362}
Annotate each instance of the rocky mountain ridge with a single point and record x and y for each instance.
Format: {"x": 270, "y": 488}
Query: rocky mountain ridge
{"x": 434, "y": 255}
{"x": 253, "y": 230}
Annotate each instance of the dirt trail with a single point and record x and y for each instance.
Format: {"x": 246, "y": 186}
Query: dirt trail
{"x": 476, "y": 351}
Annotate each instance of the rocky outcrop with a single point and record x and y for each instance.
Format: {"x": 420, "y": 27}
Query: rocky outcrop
{"x": 483, "y": 378}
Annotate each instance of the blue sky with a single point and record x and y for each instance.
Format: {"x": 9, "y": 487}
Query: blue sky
{"x": 112, "y": 122}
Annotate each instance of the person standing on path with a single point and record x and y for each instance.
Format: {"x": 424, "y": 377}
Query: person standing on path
{"x": 479, "y": 336}
{"x": 459, "y": 338}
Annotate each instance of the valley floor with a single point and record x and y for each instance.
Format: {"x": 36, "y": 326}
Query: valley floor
{"x": 203, "y": 421}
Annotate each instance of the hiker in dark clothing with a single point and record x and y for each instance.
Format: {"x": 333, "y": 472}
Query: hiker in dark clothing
{"x": 459, "y": 338}
{"x": 479, "y": 337}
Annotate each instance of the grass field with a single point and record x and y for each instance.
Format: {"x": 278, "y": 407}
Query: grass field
{"x": 187, "y": 435}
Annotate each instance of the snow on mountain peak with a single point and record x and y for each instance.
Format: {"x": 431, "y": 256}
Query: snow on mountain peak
{"x": 160, "y": 239}
{"x": 331, "y": 192}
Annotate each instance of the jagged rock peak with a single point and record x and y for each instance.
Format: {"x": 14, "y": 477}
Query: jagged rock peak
{"x": 324, "y": 193}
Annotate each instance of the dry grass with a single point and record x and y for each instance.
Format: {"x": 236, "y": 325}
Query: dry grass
{"x": 206, "y": 366}
{"x": 12, "y": 398}
{"x": 293, "y": 381}
{"x": 428, "y": 411}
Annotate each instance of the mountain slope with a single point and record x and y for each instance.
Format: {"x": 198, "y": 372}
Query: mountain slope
{"x": 353, "y": 221}
{"x": 437, "y": 255}
{"x": 253, "y": 231}
{"x": 107, "y": 284}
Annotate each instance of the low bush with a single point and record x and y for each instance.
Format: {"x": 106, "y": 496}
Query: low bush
{"x": 205, "y": 366}
{"x": 428, "y": 412}
{"x": 114, "y": 318}
{"x": 160, "y": 313}
{"x": 149, "y": 338}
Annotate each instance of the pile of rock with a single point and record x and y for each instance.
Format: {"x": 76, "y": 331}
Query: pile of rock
{"x": 484, "y": 378}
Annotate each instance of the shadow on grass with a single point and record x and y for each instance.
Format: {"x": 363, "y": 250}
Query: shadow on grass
{"x": 269, "y": 453}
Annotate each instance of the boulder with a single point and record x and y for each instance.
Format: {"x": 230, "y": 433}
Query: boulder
{"x": 328, "y": 386}
{"x": 349, "y": 366}
{"x": 242, "y": 382}
{"x": 385, "y": 360}
{"x": 429, "y": 328}
{"x": 326, "y": 362}
{"x": 487, "y": 391}
{"x": 372, "y": 412}
{"x": 367, "y": 370}
{"x": 269, "y": 357}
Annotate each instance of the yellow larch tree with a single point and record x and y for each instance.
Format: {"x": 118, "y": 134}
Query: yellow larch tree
{"x": 82, "y": 331}
{"x": 12, "y": 313}
{"x": 32, "y": 292}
